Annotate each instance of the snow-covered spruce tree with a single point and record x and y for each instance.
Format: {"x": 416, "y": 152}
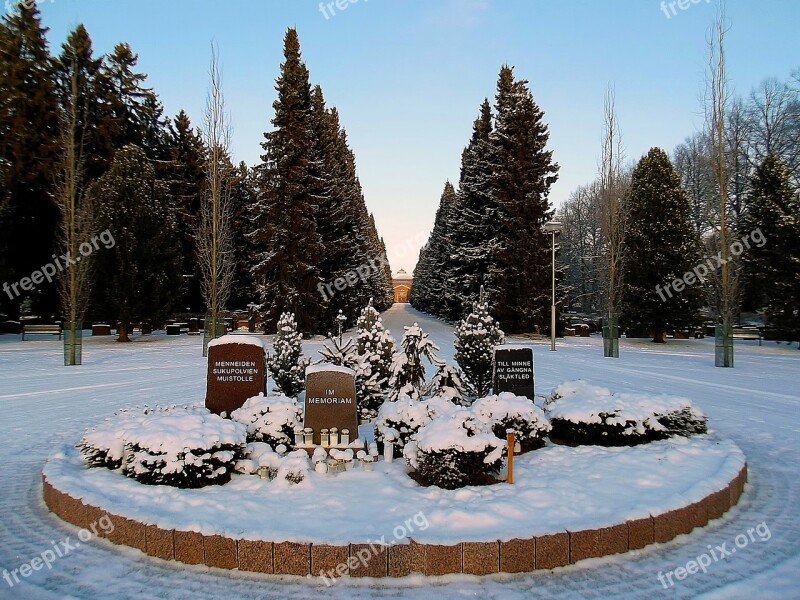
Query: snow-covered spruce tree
{"x": 408, "y": 370}
{"x": 660, "y": 245}
{"x": 518, "y": 275}
{"x": 473, "y": 222}
{"x": 431, "y": 270}
{"x": 286, "y": 267}
{"x": 476, "y": 337}
{"x": 287, "y": 364}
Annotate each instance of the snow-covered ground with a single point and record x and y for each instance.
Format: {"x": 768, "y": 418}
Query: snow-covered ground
{"x": 756, "y": 405}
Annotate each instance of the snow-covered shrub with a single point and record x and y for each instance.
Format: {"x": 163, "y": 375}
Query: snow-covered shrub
{"x": 270, "y": 419}
{"x": 454, "y": 450}
{"x": 475, "y": 339}
{"x": 287, "y": 365}
{"x": 507, "y": 411}
{"x": 398, "y": 421}
{"x": 581, "y": 413}
{"x": 104, "y": 444}
{"x": 179, "y": 446}
{"x": 448, "y": 383}
{"x": 294, "y": 467}
{"x": 408, "y": 370}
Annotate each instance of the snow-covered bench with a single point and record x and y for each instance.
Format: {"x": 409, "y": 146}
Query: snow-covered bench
{"x": 747, "y": 333}
{"x": 41, "y": 330}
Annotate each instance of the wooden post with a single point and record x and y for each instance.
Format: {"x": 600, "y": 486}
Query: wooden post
{"x": 510, "y": 440}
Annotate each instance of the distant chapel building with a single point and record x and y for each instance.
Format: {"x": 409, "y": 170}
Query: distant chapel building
{"x": 401, "y": 282}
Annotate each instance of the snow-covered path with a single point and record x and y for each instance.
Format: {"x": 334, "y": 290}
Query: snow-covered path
{"x": 756, "y": 404}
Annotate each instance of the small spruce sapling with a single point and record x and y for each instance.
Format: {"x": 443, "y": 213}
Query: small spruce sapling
{"x": 287, "y": 364}
{"x": 475, "y": 339}
{"x": 408, "y": 370}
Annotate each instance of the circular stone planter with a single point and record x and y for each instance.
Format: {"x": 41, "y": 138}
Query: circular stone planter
{"x": 83, "y": 497}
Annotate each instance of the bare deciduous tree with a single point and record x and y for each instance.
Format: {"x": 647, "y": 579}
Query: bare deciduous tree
{"x": 77, "y": 218}
{"x": 612, "y": 208}
{"x": 214, "y": 231}
{"x": 717, "y": 105}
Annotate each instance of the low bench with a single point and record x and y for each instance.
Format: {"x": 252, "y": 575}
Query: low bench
{"x": 41, "y": 330}
{"x": 747, "y": 333}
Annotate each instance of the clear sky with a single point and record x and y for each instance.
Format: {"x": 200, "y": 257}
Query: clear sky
{"x": 408, "y": 76}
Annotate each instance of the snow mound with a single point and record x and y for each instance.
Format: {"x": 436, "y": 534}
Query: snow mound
{"x": 247, "y": 340}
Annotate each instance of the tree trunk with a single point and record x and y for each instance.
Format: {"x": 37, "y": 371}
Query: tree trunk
{"x": 660, "y": 337}
{"x": 123, "y": 330}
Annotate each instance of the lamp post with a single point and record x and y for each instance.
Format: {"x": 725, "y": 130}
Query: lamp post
{"x": 553, "y": 227}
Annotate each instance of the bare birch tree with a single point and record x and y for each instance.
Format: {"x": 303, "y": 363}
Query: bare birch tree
{"x": 77, "y": 218}
{"x": 717, "y": 105}
{"x": 612, "y": 211}
{"x": 214, "y": 231}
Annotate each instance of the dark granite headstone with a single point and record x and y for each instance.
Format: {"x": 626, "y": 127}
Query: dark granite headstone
{"x": 513, "y": 370}
{"x": 331, "y": 400}
{"x": 236, "y": 371}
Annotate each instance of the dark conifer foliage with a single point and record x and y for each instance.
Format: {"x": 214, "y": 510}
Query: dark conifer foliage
{"x": 28, "y": 151}
{"x": 772, "y": 260}
{"x": 94, "y": 105}
{"x": 182, "y": 169}
{"x": 660, "y": 245}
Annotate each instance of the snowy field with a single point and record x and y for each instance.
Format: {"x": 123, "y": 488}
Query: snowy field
{"x": 755, "y": 405}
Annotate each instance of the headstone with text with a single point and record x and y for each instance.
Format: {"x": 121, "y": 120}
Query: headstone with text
{"x": 237, "y": 371}
{"x": 330, "y": 400}
{"x": 513, "y": 370}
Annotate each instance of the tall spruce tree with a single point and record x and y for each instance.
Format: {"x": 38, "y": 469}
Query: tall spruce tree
{"x": 430, "y": 273}
{"x": 185, "y": 155}
{"x": 95, "y": 116}
{"x": 140, "y": 273}
{"x": 29, "y": 136}
{"x": 518, "y": 276}
{"x": 474, "y": 224}
{"x": 286, "y": 270}
{"x": 772, "y": 259}
{"x": 660, "y": 245}
{"x": 135, "y": 113}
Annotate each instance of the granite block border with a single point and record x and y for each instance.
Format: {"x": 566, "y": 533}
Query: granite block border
{"x": 542, "y": 552}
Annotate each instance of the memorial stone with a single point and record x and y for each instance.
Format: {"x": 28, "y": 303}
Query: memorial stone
{"x": 330, "y": 399}
{"x": 236, "y": 371}
{"x": 513, "y": 370}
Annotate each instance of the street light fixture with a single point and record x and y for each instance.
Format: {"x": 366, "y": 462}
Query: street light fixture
{"x": 553, "y": 227}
